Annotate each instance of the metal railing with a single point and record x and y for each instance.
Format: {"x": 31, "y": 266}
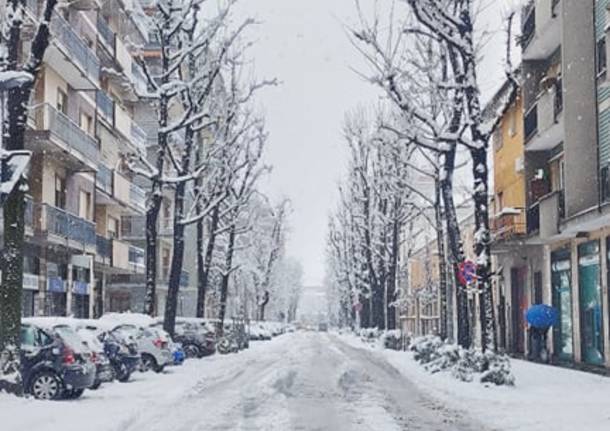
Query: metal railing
{"x": 558, "y": 99}
{"x": 60, "y": 125}
{"x": 103, "y": 247}
{"x": 105, "y": 105}
{"x": 533, "y": 218}
{"x": 104, "y": 178}
{"x": 79, "y": 51}
{"x": 137, "y": 196}
{"x": 562, "y": 203}
{"x": 107, "y": 35}
{"x": 530, "y": 123}
{"x": 508, "y": 226}
{"x": 64, "y": 224}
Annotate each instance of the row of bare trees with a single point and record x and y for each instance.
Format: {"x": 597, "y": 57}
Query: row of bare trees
{"x": 423, "y": 56}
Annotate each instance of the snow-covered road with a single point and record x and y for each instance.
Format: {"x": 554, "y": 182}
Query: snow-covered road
{"x": 303, "y": 381}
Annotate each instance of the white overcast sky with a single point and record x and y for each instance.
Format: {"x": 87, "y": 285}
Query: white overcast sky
{"x": 303, "y": 44}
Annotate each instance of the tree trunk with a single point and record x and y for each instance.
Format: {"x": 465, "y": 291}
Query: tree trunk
{"x": 204, "y": 266}
{"x": 152, "y": 215}
{"x": 483, "y": 246}
{"x": 224, "y": 286}
{"x": 13, "y": 128}
{"x": 456, "y": 249}
{"x": 442, "y": 264}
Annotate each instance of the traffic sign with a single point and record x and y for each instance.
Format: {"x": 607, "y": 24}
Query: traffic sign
{"x": 467, "y": 273}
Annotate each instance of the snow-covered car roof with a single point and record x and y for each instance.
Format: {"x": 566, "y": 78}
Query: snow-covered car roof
{"x": 58, "y": 325}
{"x": 136, "y": 319}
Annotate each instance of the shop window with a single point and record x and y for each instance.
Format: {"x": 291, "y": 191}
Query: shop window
{"x": 590, "y": 303}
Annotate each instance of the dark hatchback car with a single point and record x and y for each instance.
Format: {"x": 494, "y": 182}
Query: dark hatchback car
{"x": 50, "y": 368}
{"x": 197, "y": 340}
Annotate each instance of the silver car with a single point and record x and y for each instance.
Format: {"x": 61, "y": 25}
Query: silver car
{"x": 153, "y": 345}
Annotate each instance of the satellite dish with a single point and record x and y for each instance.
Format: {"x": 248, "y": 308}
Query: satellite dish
{"x": 12, "y": 166}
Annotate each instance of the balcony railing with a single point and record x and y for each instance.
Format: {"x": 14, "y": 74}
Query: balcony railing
{"x": 139, "y": 137}
{"x": 58, "y": 124}
{"x": 78, "y": 49}
{"x": 61, "y": 223}
{"x": 137, "y": 196}
{"x": 105, "y": 105}
{"x": 558, "y": 102}
{"x": 103, "y": 247}
{"x": 106, "y": 34}
{"x": 507, "y": 226}
{"x": 104, "y": 178}
{"x": 530, "y": 123}
{"x": 533, "y": 218}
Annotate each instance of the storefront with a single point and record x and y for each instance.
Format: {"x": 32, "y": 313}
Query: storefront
{"x": 29, "y": 295}
{"x": 561, "y": 276}
{"x": 590, "y": 303}
{"x": 56, "y": 296}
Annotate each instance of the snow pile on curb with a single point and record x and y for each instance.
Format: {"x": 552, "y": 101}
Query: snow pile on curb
{"x": 463, "y": 364}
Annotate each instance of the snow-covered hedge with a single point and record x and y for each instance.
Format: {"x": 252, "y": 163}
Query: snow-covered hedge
{"x": 465, "y": 365}
{"x": 392, "y": 339}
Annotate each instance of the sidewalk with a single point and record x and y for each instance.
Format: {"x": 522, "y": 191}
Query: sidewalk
{"x": 544, "y": 397}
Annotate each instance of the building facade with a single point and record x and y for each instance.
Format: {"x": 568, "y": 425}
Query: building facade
{"x": 85, "y": 211}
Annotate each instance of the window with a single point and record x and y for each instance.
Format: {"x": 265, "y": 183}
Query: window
{"x": 84, "y": 206}
{"x": 500, "y": 202}
{"x": 602, "y": 57}
{"x": 60, "y": 192}
{"x": 113, "y": 227}
{"x": 62, "y": 101}
{"x": 86, "y": 122}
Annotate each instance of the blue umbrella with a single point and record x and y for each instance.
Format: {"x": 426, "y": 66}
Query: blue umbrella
{"x": 542, "y": 316}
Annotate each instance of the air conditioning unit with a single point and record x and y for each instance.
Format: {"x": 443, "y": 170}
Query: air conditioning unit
{"x": 519, "y": 165}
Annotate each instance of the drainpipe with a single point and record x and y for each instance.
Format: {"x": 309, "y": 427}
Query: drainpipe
{"x": 600, "y": 188}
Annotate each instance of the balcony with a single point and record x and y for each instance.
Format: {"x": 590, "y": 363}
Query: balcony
{"x": 122, "y": 121}
{"x": 121, "y": 188}
{"x": 137, "y": 197}
{"x": 107, "y": 36}
{"x": 139, "y": 79}
{"x": 139, "y": 138}
{"x": 541, "y": 29}
{"x": 75, "y": 50}
{"x": 545, "y": 215}
{"x": 137, "y": 258}
{"x": 103, "y": 248}
{"x": 509, "y": 224}
{"x": 533, "y": 219}
{"x": 104, "y": 180}
{"x": 67, "y": 227}
{"x": 544, "y": 121}
{"x": 530, "y": 123}
{"x": 66, "y": 135}
{"x": 123, "y": 58}
{"x": 133, "y": 227}
{"x": 105, "y": 106}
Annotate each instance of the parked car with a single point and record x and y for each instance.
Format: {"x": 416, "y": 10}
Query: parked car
{"x": 152, "y": 344}
{"x": 54, "y": 366}
{"x": 259, "y": 332}
{"x": 198, "y": 338}
{"x": 122, "y": 354}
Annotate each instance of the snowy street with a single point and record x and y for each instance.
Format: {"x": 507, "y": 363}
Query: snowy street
{"x": 302, "y": 381}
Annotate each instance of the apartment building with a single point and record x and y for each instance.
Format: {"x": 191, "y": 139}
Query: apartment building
{"x": 84, "y": 250}
{"x": 559, "y": 256}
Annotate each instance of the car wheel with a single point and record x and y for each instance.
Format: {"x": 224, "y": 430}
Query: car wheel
{"x": 73, "y": 394}
{"x": 148, "y": 363}
{"x": 121, "y": 372}
{"x": 95, "y": 385}
{"x": 192, "y": 351}
{"x": 46, "y": 385}
{"x": 223, "y": 346}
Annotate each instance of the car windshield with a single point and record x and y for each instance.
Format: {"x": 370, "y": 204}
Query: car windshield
{"x": 126, "y": 331}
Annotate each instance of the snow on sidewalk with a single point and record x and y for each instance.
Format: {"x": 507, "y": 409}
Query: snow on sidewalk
{"x": 544, "y": 397}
